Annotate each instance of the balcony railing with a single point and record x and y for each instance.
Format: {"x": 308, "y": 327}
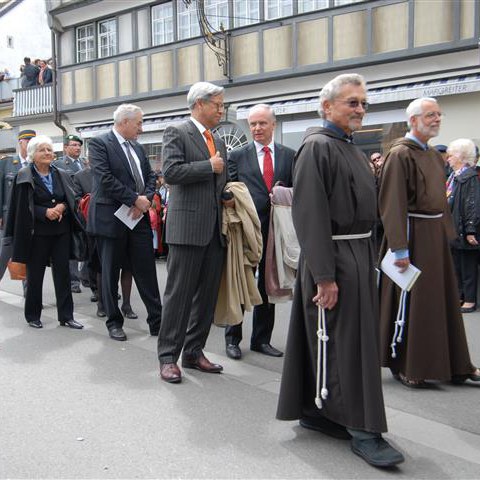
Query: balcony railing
{"x": 32, "y": 101}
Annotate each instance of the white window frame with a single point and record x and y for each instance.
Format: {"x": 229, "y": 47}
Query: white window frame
{"x": 84, "y": 52}
{"x": 246, "y": 12}
{"x": 110, "y": 35}
{"x": 162, "y": 25}
{"x": 191, "y": 27}
{"x": 312, "y": 5}
{"x": 216, "y": 12}
{"x": 282, "y": 8}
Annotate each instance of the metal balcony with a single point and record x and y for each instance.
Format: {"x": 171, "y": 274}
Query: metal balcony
{"x": 32, "y": 101}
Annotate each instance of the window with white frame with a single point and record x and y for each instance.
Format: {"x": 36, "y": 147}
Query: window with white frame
{"x": 246, "y": 12}
{"x": 311, "y": 5}
{"x": 187, "y": 20}
{"x": 217, "y": 13}
{"x": 86, "y": 43}
{"x": 107, "y": 38}
{"x": 162, "y": 23}
{"x": 278, "y": 8}
{"x": 337, "y": 3}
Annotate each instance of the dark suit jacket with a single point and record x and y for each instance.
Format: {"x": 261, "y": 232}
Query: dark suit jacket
{"x": 113, "y": 184}
{"x": 9, "y": 167}
{"x": 194, "y": 204}
{"x": 243, "y": 167}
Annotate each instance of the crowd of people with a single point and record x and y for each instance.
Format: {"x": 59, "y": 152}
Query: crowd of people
{"x": 38, "y": 72}
{"x": 114, "y": 214}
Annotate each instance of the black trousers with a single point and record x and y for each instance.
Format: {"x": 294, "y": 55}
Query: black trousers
{"x": 263, "y": 315}
{"x": 191, "y": 293}
{"x": 46, "y": 249}
{"x": 466, "y": 266}
{"x": 136, "y": 246}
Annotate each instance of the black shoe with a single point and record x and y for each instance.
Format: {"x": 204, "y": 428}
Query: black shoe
{"x": 468, "y": 309}
{"x": 326, "y": 426}
{"x": 85, "y": 283}
{"x": 128, "y": 312}
{"x": 35, "y": 324}
{"x": 117, "y": 333}
{"x": 233, "y": 351}
{"x": 377, "y": 452}
{"x": 76, "y": 289}
{"x": 267, "y": 349}
{"x": 101, "y": 312}
{"x": 71, "y": 324}
{"x": 94, "y": 297}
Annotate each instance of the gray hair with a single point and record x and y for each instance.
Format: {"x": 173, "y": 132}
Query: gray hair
{"x": 263, "y": 106}
{"x": 415, "y": 107}
{"x": 465, "y": 149}
{"x": 125, "y": 110}
{"x": 202, "y": 91}
{"x": 34, "y": 143}
{"x": 332, "y": 89}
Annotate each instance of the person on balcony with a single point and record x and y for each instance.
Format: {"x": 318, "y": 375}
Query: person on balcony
{"x": 45, "y": 76}
{"x": 29, "y": 74}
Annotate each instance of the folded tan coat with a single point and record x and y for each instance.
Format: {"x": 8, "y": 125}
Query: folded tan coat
{"x": 238, "y": 287}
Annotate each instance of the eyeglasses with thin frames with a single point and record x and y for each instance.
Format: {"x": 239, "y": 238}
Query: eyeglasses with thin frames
{"x": 219, "y": 106}
{"x": 430, "y": 115}
{"x": 353, "y": 104}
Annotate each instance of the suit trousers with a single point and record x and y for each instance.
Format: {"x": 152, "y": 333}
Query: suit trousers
{"x": 191, "y": 293}
{"x": 136, "y": 245}
{"x": 466, "y": 266}
{"x": 263, "y": 314}
{"x": 46, "y": 248}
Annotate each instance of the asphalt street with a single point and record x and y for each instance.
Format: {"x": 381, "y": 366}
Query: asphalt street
{"x": 75, "y": 404}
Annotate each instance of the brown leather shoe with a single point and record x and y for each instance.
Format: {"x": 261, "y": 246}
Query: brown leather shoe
{"x": 169, "y": 372}
{"x": 201, "y": 363}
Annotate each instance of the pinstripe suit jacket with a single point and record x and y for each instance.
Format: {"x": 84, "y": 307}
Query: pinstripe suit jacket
{"x": 194, "y": 205}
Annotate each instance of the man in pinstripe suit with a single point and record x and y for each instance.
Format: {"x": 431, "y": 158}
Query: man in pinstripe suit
{"x": 194, "y": 168}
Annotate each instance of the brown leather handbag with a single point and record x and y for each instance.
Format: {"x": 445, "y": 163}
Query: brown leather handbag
{"x": 18, "y": 271}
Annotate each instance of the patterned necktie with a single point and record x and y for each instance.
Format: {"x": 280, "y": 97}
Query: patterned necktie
{"x": 268, "y": 168}
{"x": 133, "y": 165}
{"x": 210, "y": 143}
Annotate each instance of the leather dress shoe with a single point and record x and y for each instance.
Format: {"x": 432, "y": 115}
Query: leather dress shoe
{"x": 35, "y": 324}
{"x": 76, "y": 289}
{"x": 326, "y": 426}
{"x": 267, "y": 349}
{"x": 201, "y": 363}
{"x": 129, "y": 313}
{"x": 101, "y": 312}
{"x": 94, "y": 297}
{"x": 71, "y": 323}
{"x": 468, "y": 309}
{"x": 233, "y": 351}
{"x": 377, "y": 452}
{"x": 169, "y": 372}
{"x": 474, "y": 377}
{"x": 117, "y": 333}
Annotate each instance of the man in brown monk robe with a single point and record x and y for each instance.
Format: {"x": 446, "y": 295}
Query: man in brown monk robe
{"x": 418, "y": 227}
{"x": 334, "y": 210}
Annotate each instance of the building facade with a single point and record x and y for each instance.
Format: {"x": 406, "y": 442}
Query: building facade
{"x": 279, "y": 52}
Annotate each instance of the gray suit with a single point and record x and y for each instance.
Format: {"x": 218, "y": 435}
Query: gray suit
{"x": 70, "y": 165}
{"x": 196, "y": 245}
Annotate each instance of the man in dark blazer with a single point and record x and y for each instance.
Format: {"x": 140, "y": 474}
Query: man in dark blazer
{"x": 72, "y": 163}
{"x": 122, "y": 176}
{"x": 259, "y": 165}
{"x": 194, "y": 168}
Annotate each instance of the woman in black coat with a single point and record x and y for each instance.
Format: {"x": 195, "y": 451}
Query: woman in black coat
{"x": 463, "y": 194}
{"x": 42, "y": 224}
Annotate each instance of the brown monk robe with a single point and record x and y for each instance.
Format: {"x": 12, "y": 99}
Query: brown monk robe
{"x": 334, "y": 194}
{"x": 434, "y": 344}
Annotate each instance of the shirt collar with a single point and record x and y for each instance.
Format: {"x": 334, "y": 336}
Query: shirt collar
{"x": 200, "y": 127}
{"x": 120, "y": 139}
{"x": 336, "y": 129}
{"x": 412, "y": 137}
{"x": 259, "y": 146}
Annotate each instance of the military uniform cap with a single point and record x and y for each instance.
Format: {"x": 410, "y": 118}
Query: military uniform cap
{"x": 72, "y": 138}
{"x": 26, "y": 134}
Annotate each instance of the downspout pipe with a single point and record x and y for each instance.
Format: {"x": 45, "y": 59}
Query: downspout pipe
{"x": 57, "y": 119}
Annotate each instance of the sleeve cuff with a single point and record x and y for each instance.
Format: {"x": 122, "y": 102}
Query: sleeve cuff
{"x": 401, "y": 253}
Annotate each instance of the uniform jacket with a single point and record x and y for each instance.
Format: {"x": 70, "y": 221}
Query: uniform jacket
{"x": 194, "y": 205}
{"x": 68, "y": 164}
{"x": 114, "y": 184}
{"x": 9, "y": 167}
{"x": 19, "y": 229}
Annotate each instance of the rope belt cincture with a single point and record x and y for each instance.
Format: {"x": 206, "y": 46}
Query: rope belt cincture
{"x": 322, "y": 337}
{"x": 402, "y": 304}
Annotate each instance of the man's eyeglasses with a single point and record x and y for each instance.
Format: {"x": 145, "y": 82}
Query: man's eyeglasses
{"x": 430, "y": 115}
{"x": 218, "y": 105}
{"x": 353, "y": 104}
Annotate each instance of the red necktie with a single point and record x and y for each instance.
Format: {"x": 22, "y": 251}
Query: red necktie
{"x": 268, "y": 168}
{"x": 210, "y": 143}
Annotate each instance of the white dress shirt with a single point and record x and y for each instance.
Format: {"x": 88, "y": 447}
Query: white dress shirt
{"x": 122, "y": 141}
{"x": 261, "y": 153}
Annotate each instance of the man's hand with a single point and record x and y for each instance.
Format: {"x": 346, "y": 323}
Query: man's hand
{"x": 327, "y": 295}
{"x": 53, "y": 214}
{"x": 135, "y": 212}
{"x": 142, "y": 203}
{"x": 471, "y": 240}
{"x": 229, "y": 203}
{"x": 402, "y": 264}
{"x": 217, "y": 163}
